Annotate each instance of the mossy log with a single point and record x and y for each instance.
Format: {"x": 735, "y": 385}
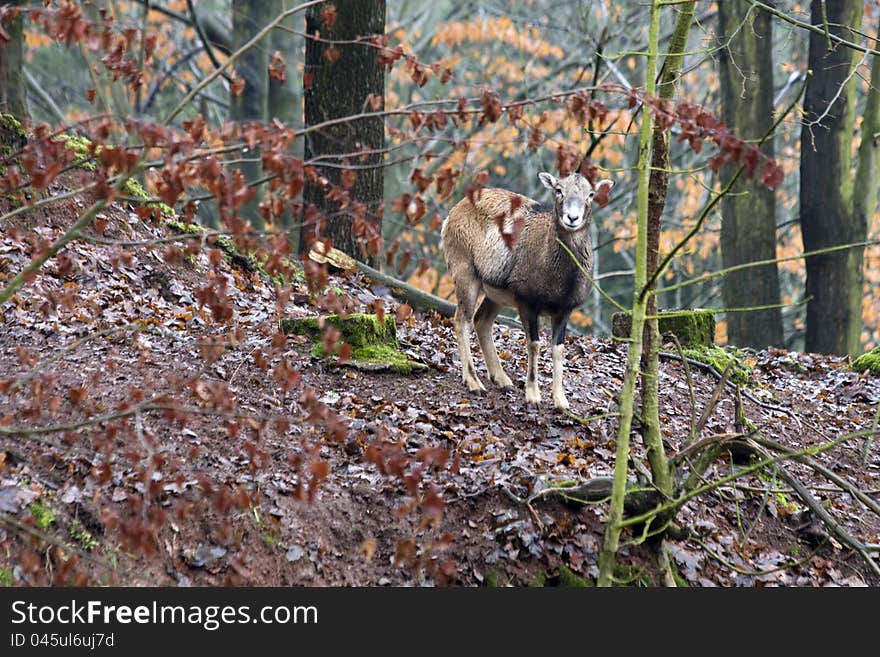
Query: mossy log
{"x": 693, "y": 328}
{"x": 373, "y": 343}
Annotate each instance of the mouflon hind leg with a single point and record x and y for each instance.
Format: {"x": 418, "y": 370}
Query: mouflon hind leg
{"x": 483, "y": 320}
{"x": 464, "y": 318}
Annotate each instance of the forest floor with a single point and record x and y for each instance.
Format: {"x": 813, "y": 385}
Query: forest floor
{"x": 75, "y": 492}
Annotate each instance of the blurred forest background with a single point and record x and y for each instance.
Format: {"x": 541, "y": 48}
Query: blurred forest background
{"x": 534, "y": 60}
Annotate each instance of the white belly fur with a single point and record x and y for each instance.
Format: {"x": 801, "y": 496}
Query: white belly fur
{"x": 504, "y": 297}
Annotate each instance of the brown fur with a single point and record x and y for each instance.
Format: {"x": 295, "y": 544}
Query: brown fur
{"x": 535, "y": 275}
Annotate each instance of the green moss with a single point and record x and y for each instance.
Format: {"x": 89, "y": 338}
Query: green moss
{"x": 491, "y": 580}
{"x": 82, "y": 536}
{"x": 11, "y": 123}
{"x": 782, "y": 500}
{"x": 133, "y": 189}
{"x": 696, "y": 327}
{"x": 372, "y": 342}
{"x": 79, "y": 145}
{"x": 719, "y": 357}
{"x": 387, "y": 356}
{"x": 569, "y": 578}
{"x": 297, "y": 276}
{"x": 12, "y": 137}
{"x": 539, "y": 581}
{"x": 222, "y": 242}
{"x": 693, "y": 328}
{"x": 869, "y": 362}
{"x": 6, "y": 577}
{"x": 184, "y": 228}
{"x": 44, "y": 515}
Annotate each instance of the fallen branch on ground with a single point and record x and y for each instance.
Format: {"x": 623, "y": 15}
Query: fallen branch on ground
{"x": 418, "y": 299}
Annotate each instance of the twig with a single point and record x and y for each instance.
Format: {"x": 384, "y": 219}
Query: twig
{"x": 843, "y": 483}
{"x": 690, "y": 384}
{"x": 203, "y": 37}
{"x": 813, "y": 28}
{"x": 706, "y": 367}
{"x": 36, "y": 88}
{"x": 756, "y": 573}
{"x": 713, "y": 400}
{"x": 739, "y": 474}
{"x": 72, "y": 234}
{"x": 816, "y": 507}
{"x": 661, "y": 268}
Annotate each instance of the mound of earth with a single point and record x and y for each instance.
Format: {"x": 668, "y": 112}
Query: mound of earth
{"x": 157, "y": 428}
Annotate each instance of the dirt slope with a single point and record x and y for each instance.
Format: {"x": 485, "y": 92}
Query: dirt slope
{"x": 251, "y": 483}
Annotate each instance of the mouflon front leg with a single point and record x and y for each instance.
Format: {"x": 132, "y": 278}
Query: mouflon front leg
{"x": 558, "y": 331}
{"x": 530, "y": 324}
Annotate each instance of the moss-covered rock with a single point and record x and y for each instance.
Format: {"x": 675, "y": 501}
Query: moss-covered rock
{"x": 373, "y": 343}
{"x": 693, "y": 328}
{"x": 869, "y": 362}
{"x": 357, "y": 329}
{"x": 719, "y": 357}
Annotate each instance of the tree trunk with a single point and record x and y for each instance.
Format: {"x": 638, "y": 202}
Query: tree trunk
{"x": 339, "y": 79}
{"x": 748, "y": 228}
{"x": 657, "y": 190}
{"x": 13, "y": 91}
{"x": 864, "y": 199}
{"x": 613, "y": 527}
{"x": 283, "y": 101}
{"x": 248, "y": 18}
{"x": 826, "y": 186}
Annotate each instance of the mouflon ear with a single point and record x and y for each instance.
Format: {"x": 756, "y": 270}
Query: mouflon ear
{"x": 547, "y": 180}
{"x": 603, "y": 189}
